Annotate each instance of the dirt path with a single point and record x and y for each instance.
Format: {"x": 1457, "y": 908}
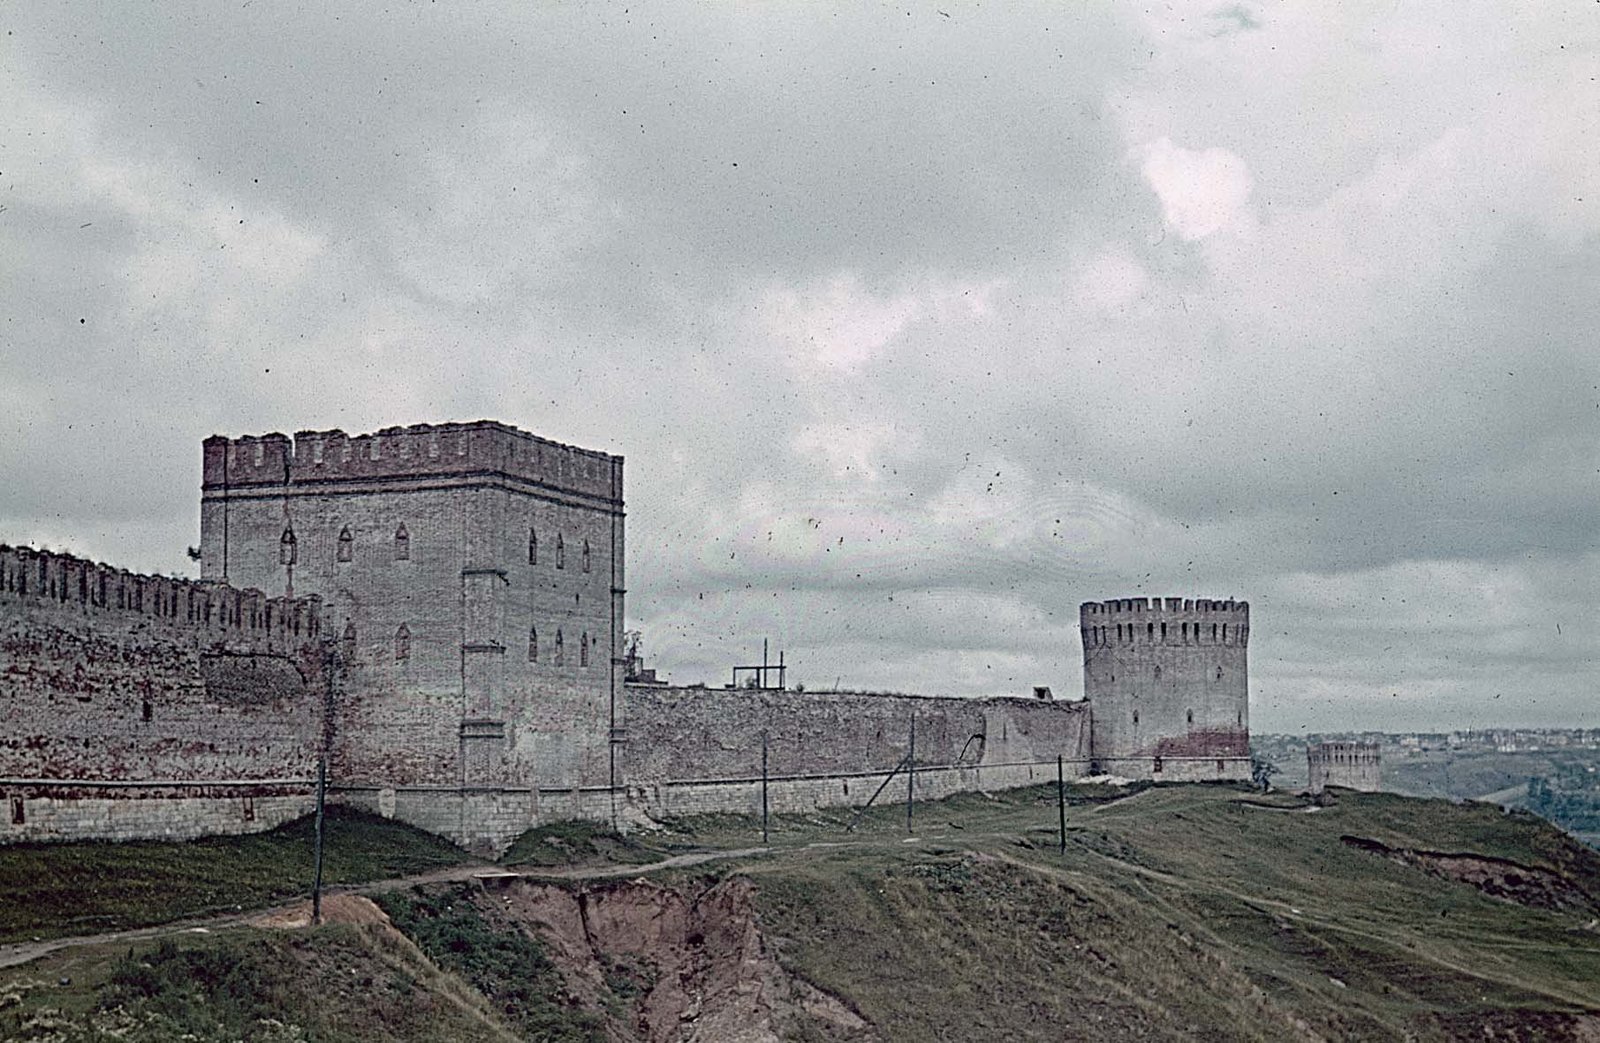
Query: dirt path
{"x": 22, "y": 952}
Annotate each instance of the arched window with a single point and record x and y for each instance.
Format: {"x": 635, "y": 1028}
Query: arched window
{"x": 402, "y": 642}
{"x": 533, "y": 644}
{"x": 347, "y": 544}
{"x": 402, "y": 543}
{"x": 1150, "y": 631}
{"x": 561, "y": 552}
{"x": 1219, "y": 673}
{"x": 350, "y": 636}
{"x": 1213, "y": 631}
{"x": 1224, "y": 633}
{"x": 286, "y": 547}
{"x": 1158, "y": 673}
{"x": 586, "y": 555}
{"x": 533, "y": 546}
{"x": 583, "y": 649}
{"x": 1191, "y": 716}
{"x": 561, "y": 648}
{"x": 1136, "y": 717}
{"x": 1156, "y": 766}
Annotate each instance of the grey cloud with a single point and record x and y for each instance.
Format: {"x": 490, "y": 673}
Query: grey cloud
{"x": 937, "y": 258}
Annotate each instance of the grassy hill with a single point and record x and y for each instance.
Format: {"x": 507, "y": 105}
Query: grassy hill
{"x": 1175, "y": 912}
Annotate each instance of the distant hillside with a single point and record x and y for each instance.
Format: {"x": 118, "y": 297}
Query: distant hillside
{"x": 1175, "y": 912}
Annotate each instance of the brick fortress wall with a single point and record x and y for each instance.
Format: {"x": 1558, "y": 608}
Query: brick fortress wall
{"x": 444, "y": 623}
{"x": 143, "y": 706}
{"x": 697, "y": 749}
{"x": 473, "y": 575}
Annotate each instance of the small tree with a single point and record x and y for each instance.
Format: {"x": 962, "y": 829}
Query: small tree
{"x": 1261, "y": 772}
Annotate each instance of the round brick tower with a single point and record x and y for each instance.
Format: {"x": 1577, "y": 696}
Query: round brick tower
{"x": 1168, "y": 687}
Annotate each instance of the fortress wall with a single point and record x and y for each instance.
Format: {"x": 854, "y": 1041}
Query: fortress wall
{"x": 699, "y": 749}
{"x": 190, "y": 709}
{"x": 800, "y": 794}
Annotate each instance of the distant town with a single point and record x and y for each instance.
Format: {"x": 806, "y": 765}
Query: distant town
{"x": 1553, "y": 772}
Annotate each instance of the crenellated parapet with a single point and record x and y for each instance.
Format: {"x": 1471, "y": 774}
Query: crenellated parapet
{"x": 1164, "y": 621}
{"x": 45, "y": 578}
{"x": 420, "y": 451}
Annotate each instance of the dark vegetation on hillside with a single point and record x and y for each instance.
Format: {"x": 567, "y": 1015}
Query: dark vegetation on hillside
{"x": 49, "y": 890}
{"x": 508, "y": 966}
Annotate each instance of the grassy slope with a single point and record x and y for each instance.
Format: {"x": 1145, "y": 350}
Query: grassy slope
{"x": 507, "y": 966}
{"x": 340, "y": 983}
{"x": 581, "y": 843}
{"x": 49, "y": 890}
{"x": 1179, "y": 911}
{"x": 1175, "y": 912}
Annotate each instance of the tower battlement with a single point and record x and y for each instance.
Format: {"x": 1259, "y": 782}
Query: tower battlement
{"x": 251, "y": 616}
{"x": 1123, "y": 610}
{"x": 1164, "y": 621}
{"x": 418, "y": 451}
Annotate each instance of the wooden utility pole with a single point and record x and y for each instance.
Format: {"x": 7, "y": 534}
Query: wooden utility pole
{"x": 911, "y": 771}
{"x": 316, "y": 883}
{"x": 1061, "y": 801}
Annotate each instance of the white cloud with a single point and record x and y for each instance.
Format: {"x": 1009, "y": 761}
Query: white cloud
{"x": 1201, "y": 192}
{"x": 837, "y": 326}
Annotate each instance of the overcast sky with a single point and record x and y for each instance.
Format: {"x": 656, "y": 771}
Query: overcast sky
{"x": 917, "y": 327}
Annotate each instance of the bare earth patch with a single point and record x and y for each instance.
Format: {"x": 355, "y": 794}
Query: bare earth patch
{"x": 695, "y": 965}
{"x": 1532, "y": 886}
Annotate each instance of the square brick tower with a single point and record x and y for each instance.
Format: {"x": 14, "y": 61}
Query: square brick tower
{"x": 472, "y": 575}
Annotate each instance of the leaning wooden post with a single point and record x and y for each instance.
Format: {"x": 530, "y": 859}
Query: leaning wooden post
{"x": 316, "y": 883}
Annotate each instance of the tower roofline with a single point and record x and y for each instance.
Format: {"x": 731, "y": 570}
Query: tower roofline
{"x": 415, "y": 451}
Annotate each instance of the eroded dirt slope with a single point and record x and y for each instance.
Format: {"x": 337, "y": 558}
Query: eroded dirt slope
{"x": 671, "y": 963}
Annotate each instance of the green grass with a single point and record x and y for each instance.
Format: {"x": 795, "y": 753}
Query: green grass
{"x": 1179, "y": 911}
{"x": 506, "y": 965}
{"x": 581, "y": 843}
{"x": 50, "y": 890}
{"x": 338, "y": 984}
{"x": 1175, "y": 911}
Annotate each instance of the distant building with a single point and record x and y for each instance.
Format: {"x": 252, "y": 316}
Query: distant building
{"x": 1350, "y": 765}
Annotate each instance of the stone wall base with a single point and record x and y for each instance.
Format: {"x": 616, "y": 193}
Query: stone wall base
{"x": 1177, "y": 769}
{"x": 132, "y": 814}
